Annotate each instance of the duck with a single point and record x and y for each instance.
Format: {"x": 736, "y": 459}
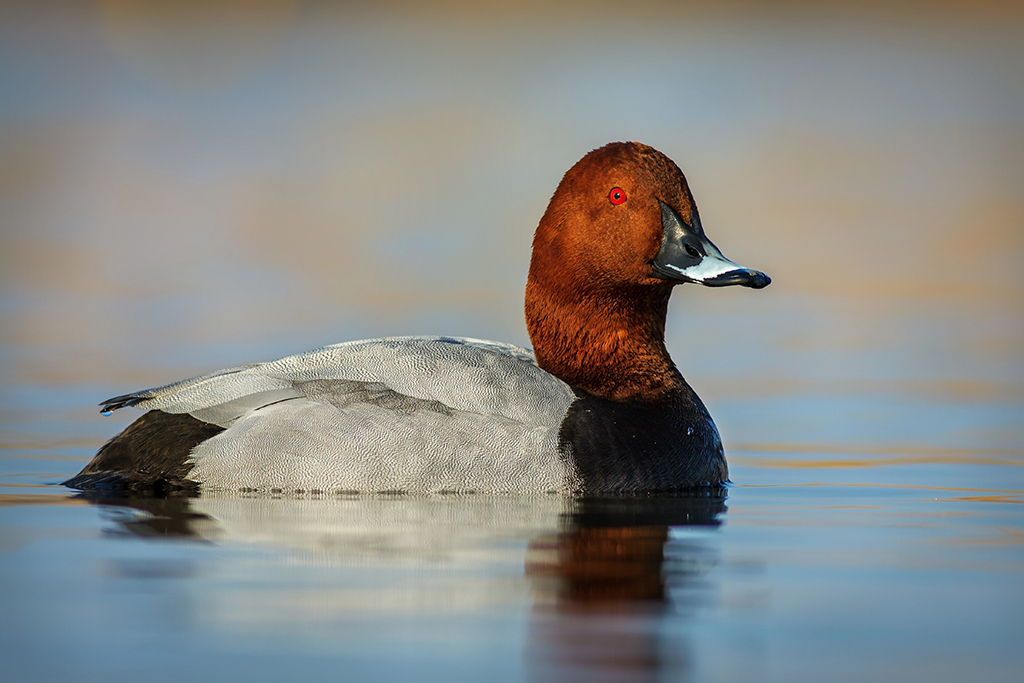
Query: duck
{"x": 597, "y": 407}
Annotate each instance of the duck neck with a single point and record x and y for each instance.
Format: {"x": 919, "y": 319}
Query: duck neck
{"x": 609, "y": 342}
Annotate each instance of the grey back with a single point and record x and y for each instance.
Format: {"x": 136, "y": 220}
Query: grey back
{"x": 410, "y": 414}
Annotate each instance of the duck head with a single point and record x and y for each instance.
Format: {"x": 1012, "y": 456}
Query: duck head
{"x": 620, "y": 232}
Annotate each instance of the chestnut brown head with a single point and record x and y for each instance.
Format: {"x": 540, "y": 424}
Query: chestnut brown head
{"x": 623, "y": 215}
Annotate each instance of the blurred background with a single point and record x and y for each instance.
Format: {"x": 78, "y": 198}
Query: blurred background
{"x": 190, "y": 185}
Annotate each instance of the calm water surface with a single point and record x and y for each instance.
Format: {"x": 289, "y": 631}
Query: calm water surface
{"x": 175, "y": 198}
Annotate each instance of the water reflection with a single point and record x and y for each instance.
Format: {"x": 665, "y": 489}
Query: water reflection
{"x": 612, "y": 552}
{"x": 606, "y": 575}
{"x": 596, "y": 573}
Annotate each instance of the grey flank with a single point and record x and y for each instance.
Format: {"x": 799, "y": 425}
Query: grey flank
{"x": 410, "y": 414}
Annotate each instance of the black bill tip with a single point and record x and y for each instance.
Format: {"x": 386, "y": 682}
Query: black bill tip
{"x": 744, "y": 277}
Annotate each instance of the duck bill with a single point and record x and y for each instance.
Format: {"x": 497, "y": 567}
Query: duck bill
{"x": 714, "y": 270}
{"x": 687, "y": 255}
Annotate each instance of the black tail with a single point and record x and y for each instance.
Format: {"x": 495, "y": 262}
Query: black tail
{"x": 151, "y": 455}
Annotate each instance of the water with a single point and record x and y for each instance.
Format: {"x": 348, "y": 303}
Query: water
{"x": 176, "y": 198}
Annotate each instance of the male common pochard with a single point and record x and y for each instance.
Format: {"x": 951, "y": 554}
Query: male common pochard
{"x": 597, "y": 407}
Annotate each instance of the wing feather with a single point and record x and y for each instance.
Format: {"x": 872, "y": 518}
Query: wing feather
{"x": 468, "y": 375}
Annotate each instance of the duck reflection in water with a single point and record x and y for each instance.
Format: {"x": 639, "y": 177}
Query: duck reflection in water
{"x": 612, "y": 551}
{"x": 602, "y": 581}
{"x": 601, "y": 571}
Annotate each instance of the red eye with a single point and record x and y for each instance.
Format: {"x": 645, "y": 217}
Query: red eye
{"x": 616, "y": 196}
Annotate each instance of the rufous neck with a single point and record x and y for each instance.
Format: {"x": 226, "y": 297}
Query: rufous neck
{"x": 609, "y": 342}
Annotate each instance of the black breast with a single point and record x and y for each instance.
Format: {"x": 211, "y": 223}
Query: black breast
{"x": 631, "y": 446}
